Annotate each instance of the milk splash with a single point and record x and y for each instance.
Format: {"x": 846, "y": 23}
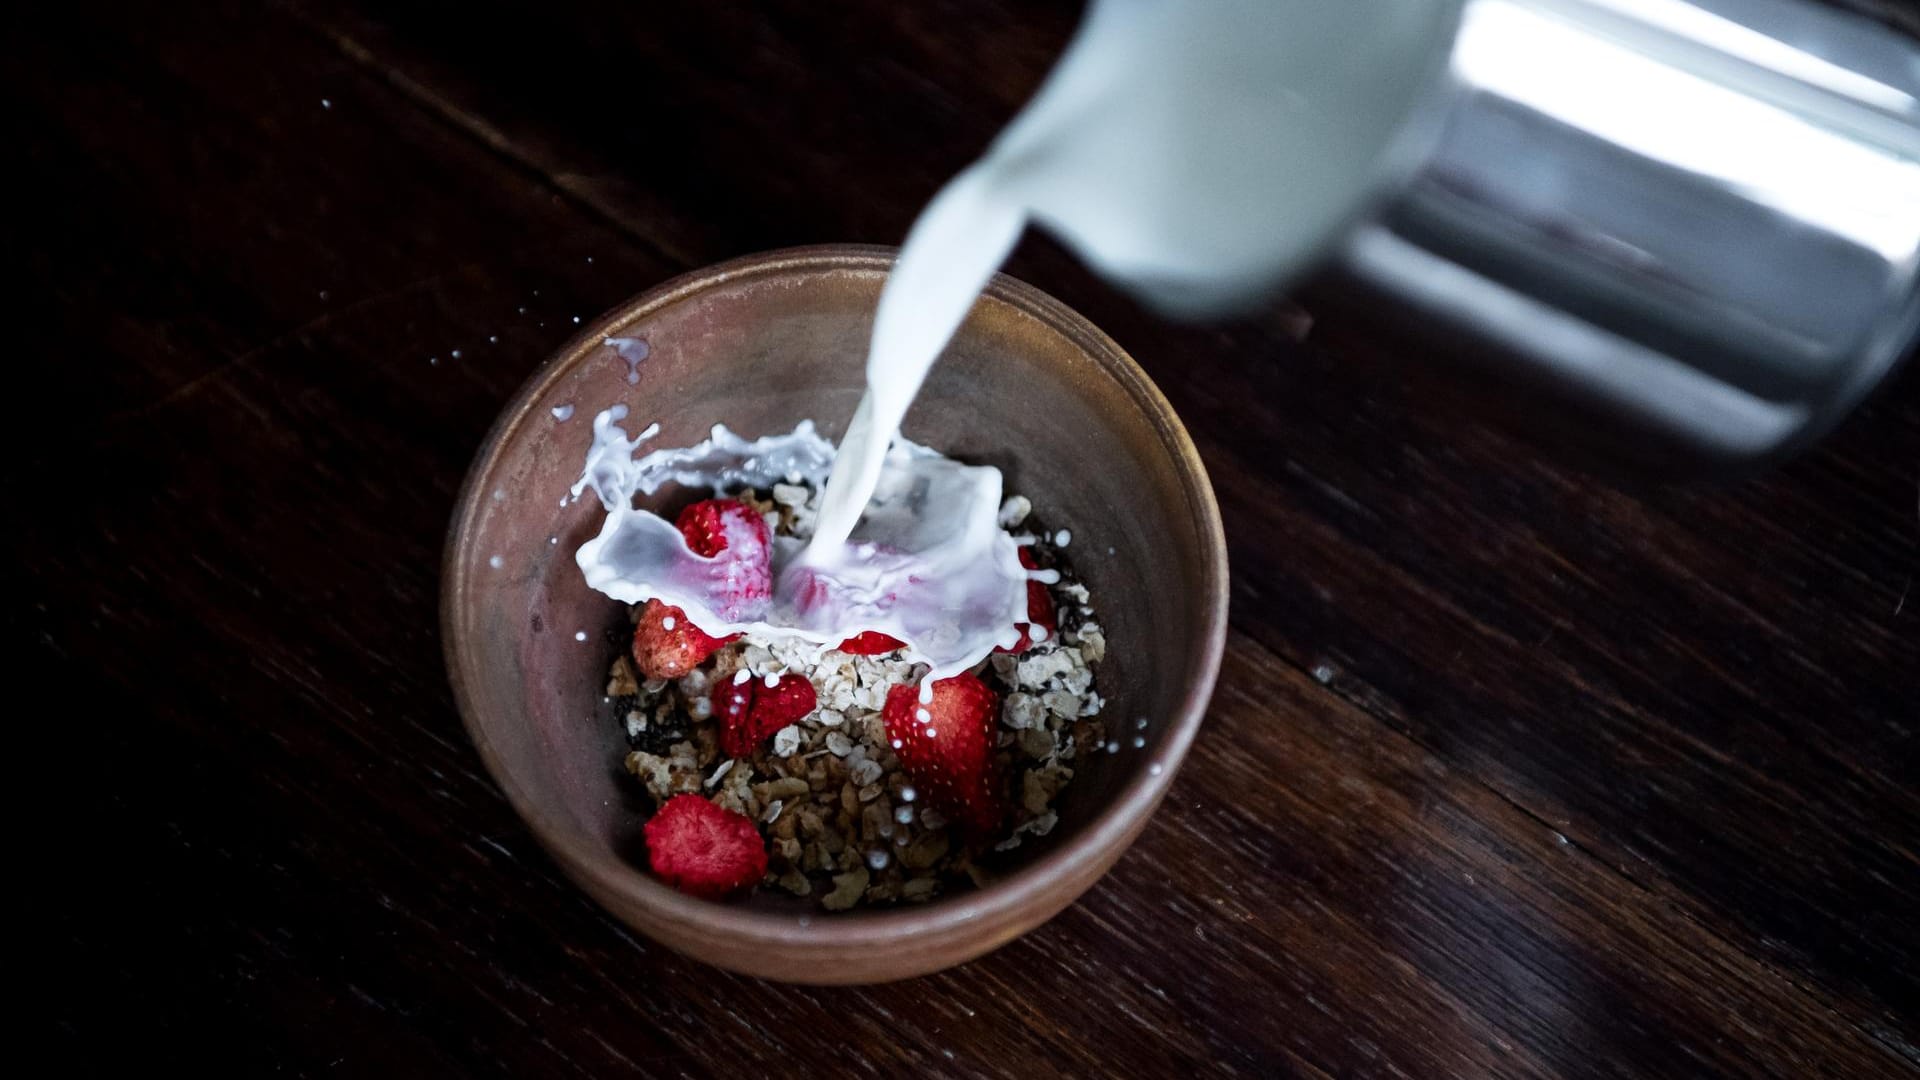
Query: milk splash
{"x": 927, "y": 563}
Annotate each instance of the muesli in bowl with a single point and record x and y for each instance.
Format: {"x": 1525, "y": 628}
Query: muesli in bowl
{"x": 816, "y": 769}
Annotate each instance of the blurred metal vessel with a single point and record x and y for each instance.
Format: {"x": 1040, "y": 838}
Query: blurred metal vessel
{"x": 1694, "y": 223}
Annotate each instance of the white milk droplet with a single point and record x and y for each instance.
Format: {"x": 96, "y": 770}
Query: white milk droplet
{"x": 667, "y": 623}
{"x": 496, "y": 562}
{"x": 563, "y": 413}
{"x": 1062, "y": 538}
{"x": 580, "y": 635}
{"x": 631, "y": 350}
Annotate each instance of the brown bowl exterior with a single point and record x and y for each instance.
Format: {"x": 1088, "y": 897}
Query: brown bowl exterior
{"x": 759, "y": 344}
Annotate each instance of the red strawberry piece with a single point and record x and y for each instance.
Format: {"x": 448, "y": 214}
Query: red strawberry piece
{"x": 806, "y": 589}
{"x": 666, "y": 644}
{"x": 785, "y": 702}
{"x": 949, "y": 754}
{"x": 1039, "y": 609}
{"x": 749, "y": 712}
{"x": 731, "y": 533}
{"x": 871, "y": 643}
{"x": 703, "y": 849}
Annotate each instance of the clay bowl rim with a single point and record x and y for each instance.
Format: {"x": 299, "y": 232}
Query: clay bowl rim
{"x": 1004, "y": 903}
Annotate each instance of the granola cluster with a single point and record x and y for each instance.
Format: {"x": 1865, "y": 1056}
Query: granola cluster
{"x": 839, "y": 814}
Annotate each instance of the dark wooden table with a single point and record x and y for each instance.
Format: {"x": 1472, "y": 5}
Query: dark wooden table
{"x": 1512, "y": 769}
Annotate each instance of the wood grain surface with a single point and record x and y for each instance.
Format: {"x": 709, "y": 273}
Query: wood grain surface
{"x": 1514, "y": 769}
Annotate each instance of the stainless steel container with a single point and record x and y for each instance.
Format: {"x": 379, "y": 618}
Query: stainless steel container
{"x": 1696, "y": 222}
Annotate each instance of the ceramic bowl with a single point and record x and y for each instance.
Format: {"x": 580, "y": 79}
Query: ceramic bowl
{"x": 759, "y": 344}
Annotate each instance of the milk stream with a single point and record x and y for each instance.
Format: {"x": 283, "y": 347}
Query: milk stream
{"x": 951, "y": 254}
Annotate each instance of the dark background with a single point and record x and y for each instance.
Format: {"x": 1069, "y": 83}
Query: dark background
{"x": 1513, "y": 769}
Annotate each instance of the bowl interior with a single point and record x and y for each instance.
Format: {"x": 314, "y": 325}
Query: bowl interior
{"x": 1025, "y": 386}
